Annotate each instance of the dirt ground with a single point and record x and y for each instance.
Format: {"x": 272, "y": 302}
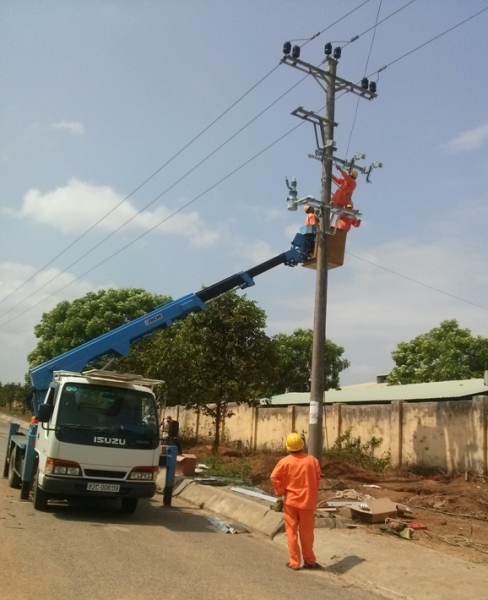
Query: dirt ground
{"x": 454, "y": 508}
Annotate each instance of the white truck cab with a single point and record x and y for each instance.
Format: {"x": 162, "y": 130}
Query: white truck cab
{"x": 98, "y": 436}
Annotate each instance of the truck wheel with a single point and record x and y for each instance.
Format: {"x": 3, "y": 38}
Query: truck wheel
{"x": 14, "y": 480}
{"x": 39, "y": 497}
{"x": 129, "y": 505}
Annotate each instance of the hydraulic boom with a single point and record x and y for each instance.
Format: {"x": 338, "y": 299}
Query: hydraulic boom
{"x": 118, "y": 342}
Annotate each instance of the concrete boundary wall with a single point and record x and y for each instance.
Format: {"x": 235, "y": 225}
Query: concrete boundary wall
{"x": 449, "y": 434}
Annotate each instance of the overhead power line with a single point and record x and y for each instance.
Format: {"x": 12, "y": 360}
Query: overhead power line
{"x": 355, "y": 38}
{"x": 335, "y": 22}
{"x": 46, "y": 283}
{"x": 154, "y": 174}
{"x": 429, "y": 41}
{"x": 426, "y": 285}
{"x": 139, "y": 187}
{"x": 153, "y": 227}
{"x": 218, "y": 183}
{"x": 205, "y": 129}
{"x": 365, "y": 69}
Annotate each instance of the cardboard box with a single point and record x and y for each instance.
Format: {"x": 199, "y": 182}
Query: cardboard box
{"x": 375, "y": 511}
{"x": 404, "y": 512}
{"x": 186, "y": 464}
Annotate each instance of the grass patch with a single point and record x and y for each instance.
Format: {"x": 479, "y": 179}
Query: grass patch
{"x": 187, "y": 438}
{"x": 352, "y": 451}
{"x": 221, "y": 466}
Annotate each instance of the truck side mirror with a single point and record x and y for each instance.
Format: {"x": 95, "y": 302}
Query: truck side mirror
{"x": 45, "y": 413}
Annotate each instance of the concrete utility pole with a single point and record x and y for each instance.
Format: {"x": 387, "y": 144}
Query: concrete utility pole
{"x": 317, "y": 388}
{"x": 329, "y": 81}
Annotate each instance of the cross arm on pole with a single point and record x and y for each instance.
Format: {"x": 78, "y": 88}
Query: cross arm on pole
{"x": 322, "y": 77}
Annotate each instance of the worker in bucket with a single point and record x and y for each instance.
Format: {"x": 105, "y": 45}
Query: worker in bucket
{"x": 345, "y": 222}
{"x": 347, "y": 185}
{"x": 311, "y": 218}
{"x": 297, "y": 478}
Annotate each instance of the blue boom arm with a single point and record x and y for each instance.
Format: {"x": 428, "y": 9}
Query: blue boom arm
{"x": 118, "y": 341}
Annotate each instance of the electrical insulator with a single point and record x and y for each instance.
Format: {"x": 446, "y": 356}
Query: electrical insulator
{"x": 372, "y": 87}
{"x": 337, "y": 52}
{"x": 296, "y": 52}
{"x": 364, "y": 83}
{"x": 328, "y": 49}
{"x": 287, "y": 48}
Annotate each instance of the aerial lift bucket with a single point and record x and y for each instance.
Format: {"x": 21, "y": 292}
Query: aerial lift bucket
{"x": 337, "y": 248}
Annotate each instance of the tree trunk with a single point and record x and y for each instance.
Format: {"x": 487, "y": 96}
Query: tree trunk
{"x": 218, "y": 421}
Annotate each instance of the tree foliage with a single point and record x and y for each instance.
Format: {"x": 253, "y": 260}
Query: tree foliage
{"x": 14, "y": 395}
{"x": 295, "y": 362}
{"x": 209, "y": 360}
{"x": 445, "y": 353}
{"x": 214, "y": 358}
{"x": 70, "y": 324}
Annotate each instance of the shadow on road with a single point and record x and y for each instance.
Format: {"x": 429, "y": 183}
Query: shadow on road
{"x": 102, "y": 513}
{"x": 345, "y": 564}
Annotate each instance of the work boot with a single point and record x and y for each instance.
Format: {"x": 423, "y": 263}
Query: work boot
{"x": 315, "y": 566}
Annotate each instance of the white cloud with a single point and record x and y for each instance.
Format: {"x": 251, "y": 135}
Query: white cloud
{"x": 74, "y": 127}
{"x": 23, "y": 309}
{"x": 468, "y": 140}
{"x": 255, "y": 251}
{"x": 78, "y": 206}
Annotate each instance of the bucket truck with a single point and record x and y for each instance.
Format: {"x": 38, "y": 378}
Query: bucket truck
{"x": 96, "y": 433}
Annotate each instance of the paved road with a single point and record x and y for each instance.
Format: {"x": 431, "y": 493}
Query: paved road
{"x": 79, "y": 552}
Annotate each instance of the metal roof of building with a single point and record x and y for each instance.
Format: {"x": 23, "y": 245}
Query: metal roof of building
{"x": 382, "y": 392}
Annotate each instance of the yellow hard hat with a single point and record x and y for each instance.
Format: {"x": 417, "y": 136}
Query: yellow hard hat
{"x": 294, "y": 442}
{"x": 354, "y": 174}
{"x": 306, "y": 208}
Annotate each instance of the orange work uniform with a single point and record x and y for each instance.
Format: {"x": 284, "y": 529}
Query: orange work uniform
{"x": 345, "y": 223}
{"x": 297, "y": 477}
{"x": 310, "y": 219}
{"x": 347, "y": 185}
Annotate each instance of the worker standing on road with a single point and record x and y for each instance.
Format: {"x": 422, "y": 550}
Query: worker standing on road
{"x": 297, "y": 477}
{"x": 347, "y": 185}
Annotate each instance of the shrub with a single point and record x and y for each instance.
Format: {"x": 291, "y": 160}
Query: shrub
{"x": 351, "y": 450}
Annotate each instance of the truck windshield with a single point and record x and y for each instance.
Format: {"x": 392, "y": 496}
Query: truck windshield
{"x": 107, "y": 409}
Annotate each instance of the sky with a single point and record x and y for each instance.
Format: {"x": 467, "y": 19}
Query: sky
{"x": 146, "y": 144}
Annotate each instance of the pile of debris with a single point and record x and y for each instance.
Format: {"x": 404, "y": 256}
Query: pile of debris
{"x": 394, "y": 518}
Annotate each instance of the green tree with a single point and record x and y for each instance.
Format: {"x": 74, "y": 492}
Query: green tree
{"x": 14, "y": 395}
{"x": 445, "y": 353}
{"x": 70, "y": 324}
{"x": 215, "y": 358}
{"x": 295, "y": 362}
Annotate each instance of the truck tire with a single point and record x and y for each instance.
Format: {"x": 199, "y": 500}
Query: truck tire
{"x": 14, "y": 480}
{"x": 129, "y": 505}
{"x": 39, "y": 497}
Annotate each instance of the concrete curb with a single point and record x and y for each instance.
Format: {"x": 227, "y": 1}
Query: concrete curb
{"x": 254, "y": 515}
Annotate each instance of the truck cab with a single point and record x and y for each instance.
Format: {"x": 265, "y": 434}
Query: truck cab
{"x": 98, "y": 436}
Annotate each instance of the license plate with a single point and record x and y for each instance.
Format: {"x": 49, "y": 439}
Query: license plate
{"x": 103, "y": 487}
